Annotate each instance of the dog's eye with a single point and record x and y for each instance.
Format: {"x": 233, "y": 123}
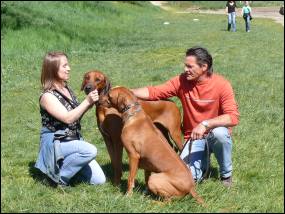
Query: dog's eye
{"x": 97, "y": 80}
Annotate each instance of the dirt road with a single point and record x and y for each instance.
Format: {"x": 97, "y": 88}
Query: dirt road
{"x": 257, "y": 12}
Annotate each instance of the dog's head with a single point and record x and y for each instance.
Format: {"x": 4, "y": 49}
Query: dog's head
{"x": 95, "y": 80}
{"x": 119, "y": 98}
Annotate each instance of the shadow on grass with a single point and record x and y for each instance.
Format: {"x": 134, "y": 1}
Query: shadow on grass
{"x": 140, "y": 188}
{"x": 109, "y": 172}
{"x": 40, "y": 177}
{"x": 213, "y": 174}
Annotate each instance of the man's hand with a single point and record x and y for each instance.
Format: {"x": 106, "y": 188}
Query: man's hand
{"x": 198, "y": 132}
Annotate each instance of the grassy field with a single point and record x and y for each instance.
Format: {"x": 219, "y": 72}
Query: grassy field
{"x": 130, "y": 43}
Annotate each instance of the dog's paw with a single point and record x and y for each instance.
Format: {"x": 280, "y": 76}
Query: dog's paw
{"x": 129, "y": 193}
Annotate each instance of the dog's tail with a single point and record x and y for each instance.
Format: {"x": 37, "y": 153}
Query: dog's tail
{"x": 198, "y": 198}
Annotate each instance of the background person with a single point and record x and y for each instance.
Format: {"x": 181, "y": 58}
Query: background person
{"x": 63, "y": 153}
{"x": 208, "y": 106}
{"x": 231, "y": 11}
{"x": 246, "y": 14}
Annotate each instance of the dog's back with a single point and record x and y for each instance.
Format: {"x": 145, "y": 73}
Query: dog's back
{"x": 155, "y": 153}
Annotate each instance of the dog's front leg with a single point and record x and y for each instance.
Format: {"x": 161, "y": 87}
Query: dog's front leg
{"x": 133, "y": 167}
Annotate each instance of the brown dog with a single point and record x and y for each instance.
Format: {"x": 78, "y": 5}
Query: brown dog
{"x": 166, "y": 174}
{"x": 164, "y": 114}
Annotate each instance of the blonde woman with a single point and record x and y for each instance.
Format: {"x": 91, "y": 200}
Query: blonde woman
{"x": 63, "y": 153}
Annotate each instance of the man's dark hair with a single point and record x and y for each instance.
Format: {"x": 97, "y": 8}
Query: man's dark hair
{"x": 202, "y": 56}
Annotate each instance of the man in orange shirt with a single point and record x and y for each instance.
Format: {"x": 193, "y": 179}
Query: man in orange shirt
{"x": 209, "y": 112}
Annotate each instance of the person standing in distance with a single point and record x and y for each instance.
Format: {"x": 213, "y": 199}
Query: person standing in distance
{"x": 246, "y": 14}
{"x": 231, "y": 12}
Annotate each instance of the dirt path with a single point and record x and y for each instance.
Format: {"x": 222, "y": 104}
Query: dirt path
{"x": 257, "y": 12}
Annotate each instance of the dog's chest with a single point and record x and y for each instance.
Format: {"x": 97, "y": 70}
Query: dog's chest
{"x": 103, "y": 112}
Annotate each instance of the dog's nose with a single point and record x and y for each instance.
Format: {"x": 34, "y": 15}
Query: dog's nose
{"x": 88, "y": 88}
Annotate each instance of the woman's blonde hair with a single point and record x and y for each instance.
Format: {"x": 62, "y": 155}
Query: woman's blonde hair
{"x": 50, "y": 69}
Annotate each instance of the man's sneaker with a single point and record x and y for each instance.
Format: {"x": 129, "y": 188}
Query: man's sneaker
{"x": 227, "y": 182}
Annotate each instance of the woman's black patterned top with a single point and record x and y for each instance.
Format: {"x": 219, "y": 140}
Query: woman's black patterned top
{"x": 51, "y": 122}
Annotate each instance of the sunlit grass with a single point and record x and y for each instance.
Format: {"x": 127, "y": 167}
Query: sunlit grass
{"x": 134, "y": 48}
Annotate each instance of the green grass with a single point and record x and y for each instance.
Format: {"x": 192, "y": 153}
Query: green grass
{"x": 130, "y": 43}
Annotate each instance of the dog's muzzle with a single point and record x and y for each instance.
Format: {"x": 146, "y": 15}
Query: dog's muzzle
{"x": 88, "y": 88}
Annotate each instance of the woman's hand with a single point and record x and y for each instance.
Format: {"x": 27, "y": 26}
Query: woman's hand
{"x": 56, "y": 108}
{"x": 92, "y": 97}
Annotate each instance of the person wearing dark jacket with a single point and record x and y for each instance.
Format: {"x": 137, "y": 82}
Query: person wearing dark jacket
{"x": 231, "y": 12}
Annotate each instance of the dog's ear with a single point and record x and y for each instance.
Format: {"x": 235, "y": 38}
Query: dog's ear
{"x": 107, "y": 87}
{"x": 121, "y": 101}
{"x": 113, "y": 96}
{"x": 83, "y": 82}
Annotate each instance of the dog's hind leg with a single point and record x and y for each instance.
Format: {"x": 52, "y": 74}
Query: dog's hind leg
{"x": 160, "y": 184}
{"x": 115, "y": 151}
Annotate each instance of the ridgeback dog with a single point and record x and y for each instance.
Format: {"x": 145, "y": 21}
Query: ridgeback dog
{"x": 164, "y": 114}
{"x": 166, "y": 174}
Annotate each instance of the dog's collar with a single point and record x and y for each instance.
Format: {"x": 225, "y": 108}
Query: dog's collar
{"x": 128, "y": 114}
{"x": 130, "y": 106}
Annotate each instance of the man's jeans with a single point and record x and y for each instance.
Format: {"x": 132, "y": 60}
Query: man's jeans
{"x": 220, "y": 143}
{"x": 79, "y": 160}
{"x": 232, "y": 20}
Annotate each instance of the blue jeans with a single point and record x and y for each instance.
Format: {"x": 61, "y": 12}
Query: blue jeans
{"x": 232, "y": 20}
{"x": 220, "y": 143}
{"x": 65, "y": 160}
{"x": 247, "y": 23}
{"x": 79, "y": 160}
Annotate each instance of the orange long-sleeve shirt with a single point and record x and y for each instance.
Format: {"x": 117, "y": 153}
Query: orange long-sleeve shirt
{"x": 200, "y": 101}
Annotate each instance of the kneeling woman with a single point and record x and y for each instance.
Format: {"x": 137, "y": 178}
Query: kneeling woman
{"x": 63, "y": 153}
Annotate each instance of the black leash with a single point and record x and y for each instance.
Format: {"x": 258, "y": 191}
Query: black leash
{"x": 206, "y": 174}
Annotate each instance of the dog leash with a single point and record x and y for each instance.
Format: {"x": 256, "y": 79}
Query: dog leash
{"x": 206, "y": 173}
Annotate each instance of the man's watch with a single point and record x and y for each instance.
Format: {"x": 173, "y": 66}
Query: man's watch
{"x": 205, "y": 123}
